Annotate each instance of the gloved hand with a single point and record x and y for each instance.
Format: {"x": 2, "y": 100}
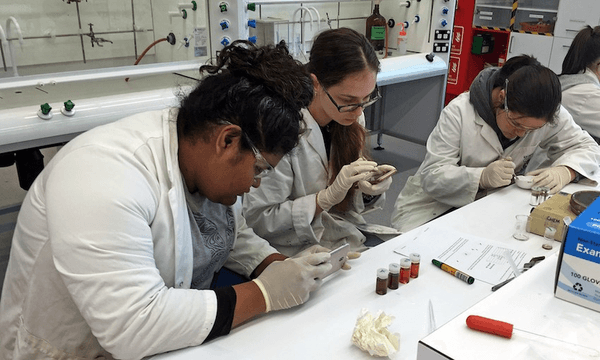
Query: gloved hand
{"x": 555, "y": 178}
{"x": 318, "y": 249}
{"x": 315, "y": 249}
{"x": 349, "y": 174}
{"x": 376, "y": 189}
{"x": 499, "y": 173}
{"x": 288, "y": 283}
{"x": 351, "y": 256}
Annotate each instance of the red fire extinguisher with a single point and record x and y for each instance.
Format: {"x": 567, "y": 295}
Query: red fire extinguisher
{"x": 502, "y": 57}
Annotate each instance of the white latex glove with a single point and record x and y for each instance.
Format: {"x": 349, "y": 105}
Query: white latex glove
{"x": 288, "y": 283}
{"x": 377, "y": 189}
{"x": 351, "y": 256}
{"x": 349, "y": 174}
{"x": 315, "y": 249}
{"x": 555, "y": 178}
{"x": 318, "y": 248}
{"x": 497, "y": 174}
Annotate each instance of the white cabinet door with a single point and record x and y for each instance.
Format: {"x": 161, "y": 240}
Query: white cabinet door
{"x": 560, "y": 46}
{"x": 573, "y": 15}
{"x": 539, "y": 46}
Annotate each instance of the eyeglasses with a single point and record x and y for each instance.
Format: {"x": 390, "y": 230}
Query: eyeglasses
{"x": 375, "y": 95}
{"x": 518, "y": 126}
{"x": 512, "y": 122}
{"x": 262, "y": 167}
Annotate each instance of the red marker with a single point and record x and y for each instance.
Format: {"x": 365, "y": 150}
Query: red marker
{"x": 505, "y": 329}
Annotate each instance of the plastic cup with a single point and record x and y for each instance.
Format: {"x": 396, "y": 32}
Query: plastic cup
{"x": 521, "y": 227}
{"x": 549, "y": 234}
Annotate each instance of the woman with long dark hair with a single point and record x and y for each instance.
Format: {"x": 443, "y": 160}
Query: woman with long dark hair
{"x": 318, "y": 192}
{"x": 580, "y": 80}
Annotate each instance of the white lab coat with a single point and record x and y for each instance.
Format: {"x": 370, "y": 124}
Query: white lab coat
{"x": 462, "y": 144}
{"x": 583, "y": 101}
{"x": 282, "y": 209}
{"x": 101, "y": 260}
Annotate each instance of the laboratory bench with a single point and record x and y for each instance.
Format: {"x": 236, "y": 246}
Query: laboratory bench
{"x": 545, "y": 327}
{"x": 322, "y": 327}
{"x": 410, "y": 83}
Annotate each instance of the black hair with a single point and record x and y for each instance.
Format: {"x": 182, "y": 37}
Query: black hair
{"x": 532, "y": 89}
{"x": 584, "y": 51}
{"x": 337, "y": 53}
{"x": 260, "y": 89}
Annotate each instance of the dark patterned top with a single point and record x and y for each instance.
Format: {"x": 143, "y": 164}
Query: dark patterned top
{"x": 213, "y": 227}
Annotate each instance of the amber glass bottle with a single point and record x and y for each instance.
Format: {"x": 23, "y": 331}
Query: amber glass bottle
{"x": 376, "y": 29}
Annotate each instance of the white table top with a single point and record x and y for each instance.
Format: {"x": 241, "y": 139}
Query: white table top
{"x": 322, "y": 327}
{"x": 529, "y": 305}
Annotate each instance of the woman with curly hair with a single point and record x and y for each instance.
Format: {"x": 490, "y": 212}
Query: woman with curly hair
{"x": 119, "y": 238}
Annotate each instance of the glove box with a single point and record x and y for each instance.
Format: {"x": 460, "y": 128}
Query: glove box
{"x": 552, "y": 212}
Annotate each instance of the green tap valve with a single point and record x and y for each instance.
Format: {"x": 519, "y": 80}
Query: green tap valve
{"x": 194, "y": 6}
{"x": 252, "y": 6}
{"x": 69, "y": 105}
{"x": 184, "y": 13}
{"x": 45, "y": 108}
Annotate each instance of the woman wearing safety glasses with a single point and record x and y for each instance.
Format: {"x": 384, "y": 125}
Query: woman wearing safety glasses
{"x": 120, "y": 236}
{"x": 487, "y": 135}
{"x": 580, "y": 80}
{"x": 311, "y": 196}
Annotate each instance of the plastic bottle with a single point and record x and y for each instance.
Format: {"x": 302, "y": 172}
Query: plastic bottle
{"x": 404, "y": 270}
{"x": 394, "y": 276}
{"x": 402, "y": 40}
{"x": 415, "y": 262}
{"x": 382, "y": 281}
{"x": 376, "y": 28}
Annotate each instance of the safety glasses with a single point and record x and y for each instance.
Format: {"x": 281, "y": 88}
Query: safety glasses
{"x": 262, "y": 167}
{"x": 375, "y": 95}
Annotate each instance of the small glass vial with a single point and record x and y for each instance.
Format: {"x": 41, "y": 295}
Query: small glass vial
{"x": 415, "y": 261}
{"x": 404, "y": 271}
{"x": 544, "y": 195}
{"x": 536, "y": 193}
{"x": 394, "y": 276}
{"x": 382, "y": 280}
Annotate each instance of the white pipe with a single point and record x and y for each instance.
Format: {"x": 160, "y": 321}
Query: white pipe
{"x": 302, "y": 21}
{"x": 185, "y": 6}
{"x": 12, "y": 20}
{"x": 318, "y": 17}
{"x": 173, "y": 14}
{"x": 4, "y": 41}
{"x": 294, "y": 26}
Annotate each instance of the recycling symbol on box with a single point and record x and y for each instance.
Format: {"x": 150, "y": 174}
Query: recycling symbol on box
{"x": 577, "y": 287}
